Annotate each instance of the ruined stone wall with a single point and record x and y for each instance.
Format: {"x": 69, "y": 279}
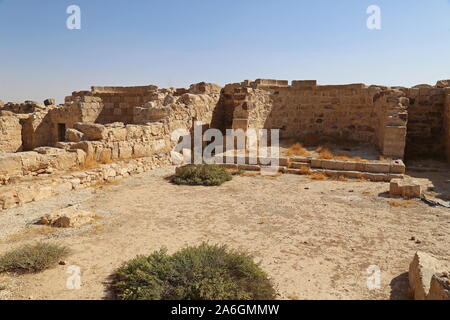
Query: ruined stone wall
{"x": 113, "y": 104}
{"x": 447, "y": 123}
{"x": 200, "y": 102}
{"x": 346, "y": 112}
{"x": 15, "y": 167}
{"x": 425, "y": 137}
{"x": 391, "y": 108}
{"x": 304, "y": 108}
{"x": 10, "y": 133}
{"x": 22, "y": 108}
{"x": 113, "y": 142}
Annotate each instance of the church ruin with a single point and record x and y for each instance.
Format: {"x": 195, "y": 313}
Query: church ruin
{"x": 117, "y": 131}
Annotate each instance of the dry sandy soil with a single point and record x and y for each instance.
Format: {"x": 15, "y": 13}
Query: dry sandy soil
{"x": 315, "y": 239}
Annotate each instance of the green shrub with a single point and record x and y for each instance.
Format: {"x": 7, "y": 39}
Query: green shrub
{"x": 204, "y": 174}
{"x": 32, "y": 258}
{"x": 205, "y": 272}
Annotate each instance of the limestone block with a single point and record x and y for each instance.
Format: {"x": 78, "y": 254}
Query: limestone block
{"x": 25, "y": 195}
{"x": 10, "y": 164}
{"x": 70, "y": 217}
{"x": 33, "y": 161}
{"x": 63, "y": 161}
{"x": 398, "y": 167}
{"x": 125, "y": 150}
{"x": 158, "y": 145}
{"x": 73, "y": 135}
{"x": 42, "y": 192}
{"x": 407, "y": 188}
{"x": 10, "y": 133}
{"x": 134, "y": 132}
{"x": 62, "y": 188}
{"x": 50, "y": 102}
{"x": 86, "y": 146}
{"x": 333, "y": 164}
{"x": 8, "y": 198}
{"x": 421, "y": 270}
{"x": 81, "y": 156}
{"x": 350, "y": 166}
{"x": 118, "y": 134}
{"x": 443, "y": 84}
{"x": 376, "y": 177}
{"x": 316, "y": 163}
{"x": 91, "y": 131}
{"x": 304, "y": 83}
{"x": 379, "y": 167}
{"x": 439, "y": 287}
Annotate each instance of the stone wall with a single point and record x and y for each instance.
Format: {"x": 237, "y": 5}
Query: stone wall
{"x": 391, "y": 107}
{"x": 19, "y": 166}
{"x": 113, "y": 104}
{"x": 10, "y": 132}
{"x": 425, "y": 137}
{"x": 374, "y": 115}
{"x": 45, "y": 185}
{"x": 447, "y": 123}
{"x": 113, "y": 142}
{"x": 22, "y": 107}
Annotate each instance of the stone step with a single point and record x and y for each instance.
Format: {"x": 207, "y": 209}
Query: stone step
{"x": 375, "y": 177}
{"x": 300, "y": 159}
{"x": 295, "y": 171}
{"x": 300, "y": 165}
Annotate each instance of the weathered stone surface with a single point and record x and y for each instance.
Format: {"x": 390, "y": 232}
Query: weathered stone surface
{"x": 406, "y": 188}
{"x": 421, "y": 270}
{"x": 73, "y": 135}
{"x": 50, "y": 102}
{"x": 10, "y": 134}
{"x": 440, "y": 287}
{"x": 70, "y": 217}
{"x": 91, "y": 131}
{"x": 443, "y": 84}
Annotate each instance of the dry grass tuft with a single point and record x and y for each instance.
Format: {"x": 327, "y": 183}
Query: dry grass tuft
{"x": 381, "y": 158}
{"x": 305, "y": 170}
{"x": 325, "y": 153}
{"x": 318, "y": 176}
{"x": 401, "y": 203}
{"x": 244, "y": 173}
{"x": 297, "y": 149}
{"x": 105, "y": 183}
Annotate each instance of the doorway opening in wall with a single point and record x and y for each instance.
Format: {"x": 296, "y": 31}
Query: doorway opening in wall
{"x": 61, "y": 131}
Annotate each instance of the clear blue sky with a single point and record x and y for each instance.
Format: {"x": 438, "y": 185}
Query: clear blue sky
{"x": 178, "y": 42}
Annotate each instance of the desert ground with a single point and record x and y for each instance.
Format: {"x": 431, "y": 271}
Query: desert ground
{"x": 315, "y": 239}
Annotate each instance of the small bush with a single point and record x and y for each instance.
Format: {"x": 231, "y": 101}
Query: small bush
{"x": 205, "y": 174}
{"x": 205, "y": 272}
{"x": 32, "y": 258}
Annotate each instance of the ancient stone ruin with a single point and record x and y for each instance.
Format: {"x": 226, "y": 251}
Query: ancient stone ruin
{"x": 113, "y": 132}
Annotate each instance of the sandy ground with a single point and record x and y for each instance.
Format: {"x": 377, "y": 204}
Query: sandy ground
{"x": 315, "y": 239}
